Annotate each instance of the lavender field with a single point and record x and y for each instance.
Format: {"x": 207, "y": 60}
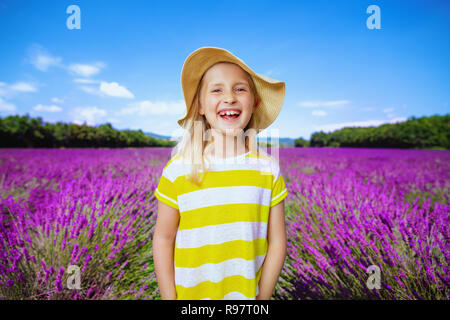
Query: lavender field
{"x": 347, "y": 209}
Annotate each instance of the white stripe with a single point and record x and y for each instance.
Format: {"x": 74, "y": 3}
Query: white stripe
{"x": 169, "y": 174}
{"x": 263, "y": 166}
{"x": 277, "y": 176}
{"x": 233, "y": 296}
{"x": 178, "y": 168}
{"x": 236, "y": 296}
{"x": 216, "y": 272}
{"x": 280, "y": 194}
{"x": 220, "y": 233}
{"x": 166, "y": 197}
{"x": 224, "y": 195}
{"x": 239, "y": 159}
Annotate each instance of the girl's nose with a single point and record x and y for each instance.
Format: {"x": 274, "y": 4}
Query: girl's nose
{"x": 229, "y": 97}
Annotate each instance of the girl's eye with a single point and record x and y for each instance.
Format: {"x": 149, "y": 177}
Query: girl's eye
{"x": 239, "y": 89}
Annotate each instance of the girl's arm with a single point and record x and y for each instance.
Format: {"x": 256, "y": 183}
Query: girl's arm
{"x": 276, "y": 252}
{"x": 163, "y": 249}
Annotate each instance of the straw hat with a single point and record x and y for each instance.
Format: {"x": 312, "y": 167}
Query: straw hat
{"x": 271, "y": 91}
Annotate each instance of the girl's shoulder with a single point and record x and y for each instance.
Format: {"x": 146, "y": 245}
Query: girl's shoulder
{"x": 266, "y": 161}
{"x": 172, "y": 160}
{"x": 173, "y": 167}
{"x": 264, "y": 156}
{"x": 260, "y": 154}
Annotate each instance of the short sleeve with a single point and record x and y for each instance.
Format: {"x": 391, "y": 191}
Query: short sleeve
{"x": 166, "y": 191}
{"x": 279, "y": 190}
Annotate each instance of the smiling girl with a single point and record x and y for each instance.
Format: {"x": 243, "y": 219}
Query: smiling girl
{"x": 220, "y": 229}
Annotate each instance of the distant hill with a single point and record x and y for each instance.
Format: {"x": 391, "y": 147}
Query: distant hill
{"x": 284, "y": 141}
{"x": 157, "y": 136}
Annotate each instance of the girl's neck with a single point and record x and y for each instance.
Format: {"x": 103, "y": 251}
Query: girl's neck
{"x": 227, "y": 146}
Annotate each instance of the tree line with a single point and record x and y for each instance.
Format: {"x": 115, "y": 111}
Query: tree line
{"x": 415, "y": 133}
{"x": 26, "y": 132}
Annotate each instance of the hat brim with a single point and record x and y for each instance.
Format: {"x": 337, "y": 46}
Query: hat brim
{"x": 271, "y": 91}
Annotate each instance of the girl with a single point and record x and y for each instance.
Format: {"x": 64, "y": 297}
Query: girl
{"x": 220, "y": 230}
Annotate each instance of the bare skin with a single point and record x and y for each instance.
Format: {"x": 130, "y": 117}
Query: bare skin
{"x": 226, "y": 85}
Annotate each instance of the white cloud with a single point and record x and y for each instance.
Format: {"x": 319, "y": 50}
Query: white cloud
{"x": 51, "y": 108}
{"x": 57, "y": 100}
{"x": 3, "y": 89}
{"x": 155, "y": 125}
{"x": 6, "y": 106}
{"x": 41, "y": 59}
{"x": 43, "y": 62}
{"x": 91, "y": 90}
{"x": 147, "y": 107}
{"x": 391, "y": 115}
{"x": 272, "y": 72}
{"x": 90, "y": 115}
{"x": 87, "y": 81}
{"x": 314, "y": 104}
{"x": 10, "y": 90}
{"x": 112, "y": 89}
{"x": 85, "y": 70}
{"x": 23, "y": 87}
{"x": 400, "y": 119}
{"x": 319, "y": 113}
{"x": 115, "y": 90}
{"x": 367, "y": 123}
{"x": 112, "y": 120}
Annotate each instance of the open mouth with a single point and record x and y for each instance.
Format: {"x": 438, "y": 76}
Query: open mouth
{"x": 229, "y": 115}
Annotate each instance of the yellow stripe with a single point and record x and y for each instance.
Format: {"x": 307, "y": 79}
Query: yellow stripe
{"x": 281, "y": 196}
{"x": 278, "y": 186}
{"x": 260, "y": 155}
{"x": 215, "y": 253}
{"x": 217, "y": 290}
{"x": 228, "y": 178}
{"x": 166, "y": 201}
{"x": 171, "y": 160}
{"x": 167, "y": 188}
{"x": 225, "y": 213}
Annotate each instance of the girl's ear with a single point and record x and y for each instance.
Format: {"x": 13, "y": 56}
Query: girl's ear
{"x": 257, "y": 101}
{"x": 200, "y": 109}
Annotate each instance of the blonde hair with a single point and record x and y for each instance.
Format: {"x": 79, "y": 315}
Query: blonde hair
{"x": 193, "y": 149}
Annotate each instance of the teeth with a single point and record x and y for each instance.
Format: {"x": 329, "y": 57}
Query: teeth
{"x": 228, "y": 113}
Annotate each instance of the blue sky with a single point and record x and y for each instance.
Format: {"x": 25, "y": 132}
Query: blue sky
{"x": 123, "y": 66}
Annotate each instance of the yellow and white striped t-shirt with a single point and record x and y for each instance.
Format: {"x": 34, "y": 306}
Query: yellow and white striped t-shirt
{"x": 221, "y": 240}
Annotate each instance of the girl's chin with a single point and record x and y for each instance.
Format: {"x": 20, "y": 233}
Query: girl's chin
{"x": 228, "y": 129}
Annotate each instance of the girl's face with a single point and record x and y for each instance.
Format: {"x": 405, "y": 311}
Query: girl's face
{"x": 225, "y": 86}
